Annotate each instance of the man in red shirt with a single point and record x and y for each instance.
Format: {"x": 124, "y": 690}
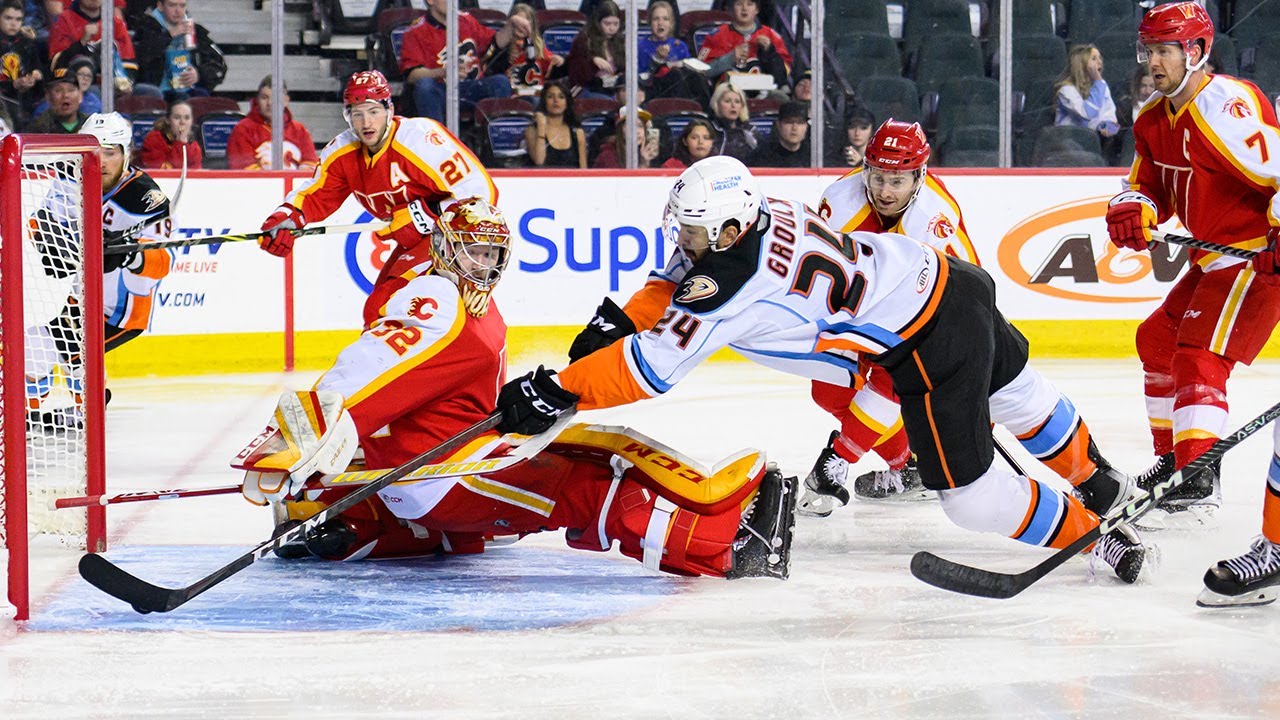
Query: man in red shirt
{"x": 80, "y": 26}
{"x": 422, "y": 59}
{"x": 249, "y": 147}
{"x": 746, "y": 45}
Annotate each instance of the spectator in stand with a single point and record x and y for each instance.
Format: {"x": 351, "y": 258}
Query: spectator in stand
{"x": 41, "y": 15}
{"x": 64, "y": 114}
{"x": 175, "y": 54}
{"x": 7, "y": 125}
{"x": 20, "y": 60}
{"x": 526, "y": 62}
{"x": 1084, "y": 100}
{"x": 423, "y": 51}
{"x": 695, "y": 143}
{"x": 788, "y": 147}
{"x": 613, "y": 154}
{"x": 85, "y": 71}
{"x": 1141, "y": 87}
{"x": 555, "y": 139}
{"x": 78, "y": 30}
{"x": 746, "y": 45}
{"x": 662, "y": 56}
{"x": 249, "y": 147}
{"x": 803, "y": 89}
{"x": 734, "y": 134}
{"x": 850, "y": 147}
{"x": 163, "y": 147}
{"x": 598, "y": 54}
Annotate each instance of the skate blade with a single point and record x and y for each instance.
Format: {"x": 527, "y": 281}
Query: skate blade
{"x": 1256, "y": 598}
{"x": 908, "y": 496}
{"x": 1203, "y": 517}
{"x": 814, "y": 504}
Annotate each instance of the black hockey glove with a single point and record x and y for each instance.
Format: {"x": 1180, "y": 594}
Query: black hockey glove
{"x": 609, "y": 325}
{"x": 530, "y": 404}
{"x": 131, "y": 261}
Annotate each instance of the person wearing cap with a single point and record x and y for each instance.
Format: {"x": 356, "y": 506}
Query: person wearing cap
{"x": 613, "y": 153}
{"x": 85, "y": 71}
{"x": 803, "y": 90}
{"x": 788, "y": 147}
{"x": 64, "y": 115}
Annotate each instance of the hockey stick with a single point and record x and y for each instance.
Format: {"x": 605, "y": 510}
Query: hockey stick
{"x": 1203, "y": 245}
{"x": 948, "y": 575}
{"x": 240, "y": 237}
{"x": 145, "y": 597}
{"x": 438, "y": 471}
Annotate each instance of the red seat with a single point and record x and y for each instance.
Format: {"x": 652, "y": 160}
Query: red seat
{"x": 495, "y": 107}
{"x": 135, "y": 104}
{"x": 389, "y": 18}
{"x": 594, "y": 106}
{"x": 671, "y": 105}
{"x": 547, "y": 18}
{"x": 763, "y": 106}
{"x": 201, "y": 106}
{"x": 490, "y": 18}
{"x": 696, "y": 24}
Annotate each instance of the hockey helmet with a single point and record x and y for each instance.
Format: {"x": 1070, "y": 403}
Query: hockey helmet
{"x": 110, "y": 129}
{"x": 471, "y": 245}
{"x": 1181, "y": 24}
{"x": 898, "y": 147}
{"x": 367, "y": 86}
{"x": 710, "y": 194}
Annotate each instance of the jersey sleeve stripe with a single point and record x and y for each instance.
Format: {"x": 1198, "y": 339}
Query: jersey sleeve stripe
{"x": 415, "y": 359}
{"x": 427, "y": 170}
{"x": 644, "y": 370}
{"x": 860, "y": 217}
{"x": 321, "y": 177}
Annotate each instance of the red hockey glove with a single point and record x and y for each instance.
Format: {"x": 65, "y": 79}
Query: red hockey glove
{"x": 279, "y": 240}
{"x": 1130, "y": 218}
{"x": 1267, "y": 261}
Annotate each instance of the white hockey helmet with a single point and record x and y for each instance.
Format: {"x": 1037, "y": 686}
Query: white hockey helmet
{"x": 110, "y": 129}
{"x": 713, "y": 192}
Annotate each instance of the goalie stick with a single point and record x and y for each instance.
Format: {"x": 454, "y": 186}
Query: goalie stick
{"x": 949, "y": 575}
{"x": 239, "y": 237}
{"x": 147, "y": 598}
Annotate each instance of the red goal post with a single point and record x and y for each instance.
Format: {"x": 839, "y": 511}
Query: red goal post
{"x": 51, "y": 348}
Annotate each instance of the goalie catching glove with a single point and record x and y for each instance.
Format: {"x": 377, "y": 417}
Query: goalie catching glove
{"x": 609, "y": 325}
{"x": 311, "y": 432}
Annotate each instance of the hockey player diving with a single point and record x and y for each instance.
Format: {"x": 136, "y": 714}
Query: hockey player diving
{"x": 429, "y": 363}
{"x": 1205, "y": 150}
{"x": 771, "y": 280}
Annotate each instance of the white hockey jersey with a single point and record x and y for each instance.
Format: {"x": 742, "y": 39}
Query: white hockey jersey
{"x": 135, "y": 210}
{"x": 791, "y": 295}
{"x": 933, "y": 217}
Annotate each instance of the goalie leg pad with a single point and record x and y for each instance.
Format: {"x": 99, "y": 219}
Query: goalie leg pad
{"x": 369, "y": 530}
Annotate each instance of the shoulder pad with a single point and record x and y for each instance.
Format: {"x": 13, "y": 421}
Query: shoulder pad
{"x": 139, "y": 195}
{"x": 717, "y": 278}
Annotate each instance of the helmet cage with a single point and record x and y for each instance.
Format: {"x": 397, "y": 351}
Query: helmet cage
{"x": 474, "y": 258}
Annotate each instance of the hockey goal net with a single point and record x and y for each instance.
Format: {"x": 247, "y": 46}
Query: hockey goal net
{"x": 51, "y": 436}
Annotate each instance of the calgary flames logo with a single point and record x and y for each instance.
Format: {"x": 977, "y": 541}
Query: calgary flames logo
{"x": 418, "y": 308}
{"x": 940, "y": 227}
{"x": 1237, "y": 108}
{"x": 824, "y": 210}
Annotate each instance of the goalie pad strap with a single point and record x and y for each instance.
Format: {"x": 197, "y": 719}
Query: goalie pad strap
{"x": 620, "y": 467}
{"x": 655, "y": 536}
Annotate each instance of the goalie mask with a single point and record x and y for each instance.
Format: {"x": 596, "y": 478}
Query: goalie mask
{"x": 471, "y": 245}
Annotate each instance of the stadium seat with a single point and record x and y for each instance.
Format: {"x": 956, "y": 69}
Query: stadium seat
{"x": 1261, "y": 64}
{"x": 1126, "y": 147}
{"x": 965, "y": 102}
{"x": 844, "y": 17}
{"x": 672, "y": 124}
{"x": 945, "y": 57}
{"x": 137, "y": 104}
{"x": 927, "y": 19}
{"x": 493, "y": 19}
{"x": 1119, "y": 59}
{"x": 201, "y": 106}
{"x": 1225, "y": 58}
{"x": 890, "y": 97}
{"x": 382, "y": 46}
{"x": 502, "y": 122}
{"x": 1089, "y": 19}
{"x": 142, "y": 123}
{"x": 1036, "y": 57}
{"x": 1030, "y": 17}
{"x": 973, "y": 158}
{"x": 862, "y": 55}
{"x": 967, "y": 139}
{"x": 594, "y": 112}
{"x": 671, "y": 105}
{"x": 1039, "y": 105}
{"x": 696, "y": 25}
{"x": 560, "y": 28}
{"x": 1072, "y": 158}
{"x": 215, "y": 131}
{"x": 1058, "y": 139}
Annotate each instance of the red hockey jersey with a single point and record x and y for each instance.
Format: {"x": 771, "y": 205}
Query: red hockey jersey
{"x": 1215, "y": 163}
{"x": 424, "y": 44}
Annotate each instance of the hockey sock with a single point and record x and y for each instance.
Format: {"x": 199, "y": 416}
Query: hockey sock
{"x": 1271, "y": 504}
{"x": 1062, "y": 443}
{"x": 894, "y": 449}
{"x": 1054, "y": 519}
{"x": 1199, "y": 403}
{"x": 1156, "y": 336}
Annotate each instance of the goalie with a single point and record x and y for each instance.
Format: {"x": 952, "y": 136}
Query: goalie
{"x": 428, "y": 364}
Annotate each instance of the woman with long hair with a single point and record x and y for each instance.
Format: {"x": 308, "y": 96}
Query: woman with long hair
{"x": 729, "y": 117}
{"x": 694, "y": 143}
{"x": 1083, "y": 98}
{"x": 162, "y": 147}
{"x": 527, "y": 62}
{"x": 598, "y": 54}
{"x": 1141, "y": 87}
{"x": 555, "y": 139}
{"x": 613, "y": 152}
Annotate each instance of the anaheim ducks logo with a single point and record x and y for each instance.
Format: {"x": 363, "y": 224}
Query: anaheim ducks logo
{"x": 1237, "y": 108}
{"x": 940, "y": 227}
{"x": 153, "y": 199}
{"x": 423, "y": 308}
{"x": 697, "y": 288}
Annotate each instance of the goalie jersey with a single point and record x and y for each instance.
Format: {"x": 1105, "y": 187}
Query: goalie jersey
{"x": 932, "y": 217}
{"x": 791, "y": 294}
{"x": 135, "y": 210}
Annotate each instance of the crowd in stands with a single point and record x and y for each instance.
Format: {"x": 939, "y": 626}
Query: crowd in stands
{"x": 545, "y": 88}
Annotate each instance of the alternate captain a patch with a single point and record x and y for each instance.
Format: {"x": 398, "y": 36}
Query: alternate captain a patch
{"x": 697, "y": 287}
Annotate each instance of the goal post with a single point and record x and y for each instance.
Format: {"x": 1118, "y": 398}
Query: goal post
{"x": 51, "y": 348}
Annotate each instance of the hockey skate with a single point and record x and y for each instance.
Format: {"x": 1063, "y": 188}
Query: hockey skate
{"x": 281, "y": 515}
{"x": 1123, "y": 551}
{"x": 762, "y": 547}
{"x": 1190, "y": 506}
{"x": 1245, "y": 581}
{"x": 1107, "y": 488}
{"x": 824, "y": 487}
{"x": 904, "y": 484}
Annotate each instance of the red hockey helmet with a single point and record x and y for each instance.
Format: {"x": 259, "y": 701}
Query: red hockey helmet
{"x": 1180, "y": 23}
{"x": 367, "y": 86}
{"x": 898, "y": 146}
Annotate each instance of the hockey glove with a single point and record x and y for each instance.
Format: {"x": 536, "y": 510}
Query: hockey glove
{"x": 279, "y": 239}
{"x": 1130, "y": 218}
{"x": 609, "y": 325}
{"x": 1267, "y": 261}
{"x": 531, "y": 404}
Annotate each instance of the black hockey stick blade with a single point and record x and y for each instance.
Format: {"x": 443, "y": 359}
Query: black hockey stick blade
{"x": 147, "y": 598}
{"x": 956, "y": 577}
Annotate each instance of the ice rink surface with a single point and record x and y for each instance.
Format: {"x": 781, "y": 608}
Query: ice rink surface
{"x": 535, "y": 630}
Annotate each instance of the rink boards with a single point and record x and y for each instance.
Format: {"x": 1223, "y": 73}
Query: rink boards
{"x": 579, "y": 236}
